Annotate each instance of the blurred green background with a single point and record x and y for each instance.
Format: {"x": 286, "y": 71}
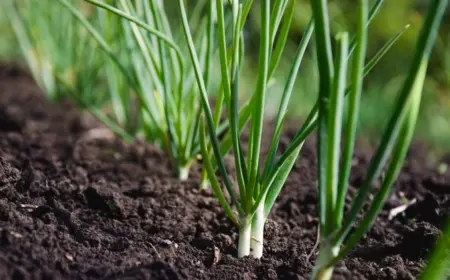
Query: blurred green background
{"x": 381, "y": 86}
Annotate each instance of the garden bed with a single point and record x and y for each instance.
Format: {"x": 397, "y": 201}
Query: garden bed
{"x": 76, "y": 203}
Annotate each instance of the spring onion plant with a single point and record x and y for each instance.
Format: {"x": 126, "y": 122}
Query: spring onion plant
{"x": 62, "y": 57}
{"x": 245, "y": 112}
{"x": 337, "y": 128}
{"x": 257, "y": 192}
{"x": 258, "y": 182}
{"x": 156, "y": 96}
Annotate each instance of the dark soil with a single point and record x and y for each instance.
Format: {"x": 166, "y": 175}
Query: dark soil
{"x": 76, "y": 203}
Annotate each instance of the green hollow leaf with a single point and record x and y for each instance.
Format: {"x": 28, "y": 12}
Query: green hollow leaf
{"x": 301, "y": 136}
{"x": 213, "y": 178}
{"x": 283, "y": 33}
{"x": 398, "y": 156}
{"x": 258, "y": 108}
{"x": 206, "y": 107}
{"x": 422, "y": 54}
{"x": 245, "y": 13}
{"x": 312, "y": 116}
{"x": 287, "y": 92}
{"x": 330, "y": 136}
{"x": 277, "y": 12}
{"x": 311, "y": 121}
{"x": 326, "y": 73}
{"x": 167, "y": 92}
{"x": 386, "y": 47}
{"x": 277, "y": 184}
{"x": 232, "y": 99}
{"x": 373, "y": 11}
{"x": 226, "y": 143}
{"x": 210, "y": 44}
{"x": 354, "y": 99}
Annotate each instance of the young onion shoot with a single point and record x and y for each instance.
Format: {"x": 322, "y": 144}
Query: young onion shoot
{"x": 334, "y": 162}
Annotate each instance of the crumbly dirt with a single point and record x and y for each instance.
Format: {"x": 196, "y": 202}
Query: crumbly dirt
{"x": 76, "y": 203}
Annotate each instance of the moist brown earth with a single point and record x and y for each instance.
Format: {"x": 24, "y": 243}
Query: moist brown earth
{"x": 76, "y": 203}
